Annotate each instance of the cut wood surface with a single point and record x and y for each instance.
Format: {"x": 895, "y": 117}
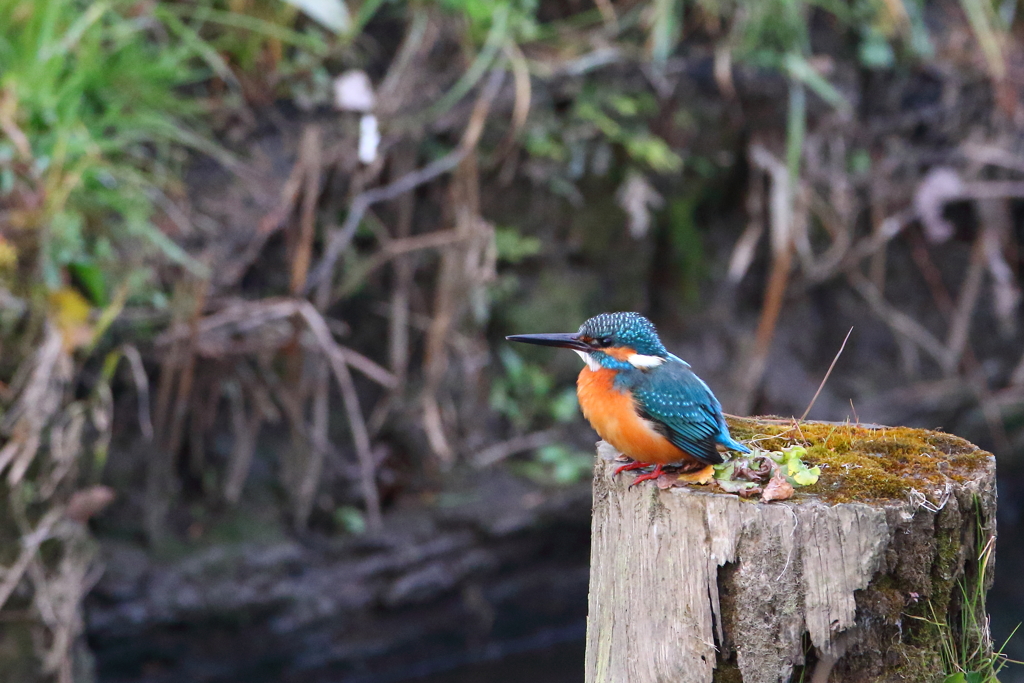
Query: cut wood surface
{"x": 838, "y": 583}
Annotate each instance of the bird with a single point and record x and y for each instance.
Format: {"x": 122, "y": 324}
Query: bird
{"x": 643, "y": 400}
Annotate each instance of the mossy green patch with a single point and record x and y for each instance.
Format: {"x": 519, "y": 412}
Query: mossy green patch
{"x": 919, "y": 664}
{"x": 861, "y": 463}
{"x": 885, "y": 599}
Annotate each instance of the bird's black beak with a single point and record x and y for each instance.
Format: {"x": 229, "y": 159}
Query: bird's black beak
{"x": 567, "y": 340}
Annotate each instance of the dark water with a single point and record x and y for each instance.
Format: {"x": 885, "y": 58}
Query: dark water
{"x": 550, "y": 656}
{"x": 528, "y": 647}
{"x": 561, "y": 664}
{"x": 1006, "y": 600}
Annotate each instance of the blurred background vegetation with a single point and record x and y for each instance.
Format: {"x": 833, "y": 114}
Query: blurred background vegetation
{"x": 257, "y": 258}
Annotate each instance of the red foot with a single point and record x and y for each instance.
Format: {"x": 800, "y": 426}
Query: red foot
{"x": 650, "y": 475}
{"x": 635, "y": 465}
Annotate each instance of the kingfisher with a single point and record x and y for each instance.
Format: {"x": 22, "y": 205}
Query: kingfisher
{"x": 640, "y": 398}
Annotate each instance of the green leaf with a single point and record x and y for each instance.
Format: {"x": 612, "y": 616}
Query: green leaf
{"x": 563, "y": 466}
{"x": 725, "y": 470}
{"x": 539, "y": 382}
{"x": 514, "y": 247}
{"x": 541, "y": 143}
{"x": 666, "y": 27}
{"x": 875, "y": 51}
{"x": 653, "y": 151}
{"x": 860, "y": 162}
{"x": 625, "y": 105}
{"x": 801, "y": 70}
{"x": 513, "y": 362}
{"x": 89, "y": 278}
{"x": 806, "y": 477}
{"x": 794, "y": 453}
{"x": 565, "y": 405}
{"x": 350, "y": 519}
{"x": 735, "y": 486}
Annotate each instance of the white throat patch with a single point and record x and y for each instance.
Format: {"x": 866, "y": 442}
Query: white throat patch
{"x": 591, "y": 363}
{"x": 639, "y": 360}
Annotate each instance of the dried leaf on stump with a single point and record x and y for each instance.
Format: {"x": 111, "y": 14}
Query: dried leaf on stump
{"x": 701, "y": 476}
{"x": 777, "y": 489}
{"x": 757, "y": 469}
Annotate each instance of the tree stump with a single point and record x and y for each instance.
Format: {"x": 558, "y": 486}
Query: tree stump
{"x": 863, "y": 576}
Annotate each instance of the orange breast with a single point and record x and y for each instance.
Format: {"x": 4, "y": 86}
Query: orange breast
{"x": 612, "y": 413}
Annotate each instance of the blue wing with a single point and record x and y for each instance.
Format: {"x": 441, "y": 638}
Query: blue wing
{"x": 685, "y": 410}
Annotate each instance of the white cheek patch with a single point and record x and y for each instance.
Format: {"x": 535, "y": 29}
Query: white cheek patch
{"x": 591, "y": 363}
{"x": 639, "y": 360}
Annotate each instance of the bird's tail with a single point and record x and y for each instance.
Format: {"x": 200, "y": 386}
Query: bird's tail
{"x": 731, "y": 443}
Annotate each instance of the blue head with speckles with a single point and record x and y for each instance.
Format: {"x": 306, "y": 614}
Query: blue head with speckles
{"x": 624, "y": 329}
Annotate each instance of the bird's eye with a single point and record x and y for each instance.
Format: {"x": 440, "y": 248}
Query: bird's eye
{"x": 603, "y": 342}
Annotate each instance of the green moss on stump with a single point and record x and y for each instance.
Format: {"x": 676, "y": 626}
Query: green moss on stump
{"x": 865, "y": 463}
{"x": 917, "y": 665}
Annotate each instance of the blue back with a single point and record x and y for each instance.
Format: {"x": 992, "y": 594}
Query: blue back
{"x": 685, "y": 409}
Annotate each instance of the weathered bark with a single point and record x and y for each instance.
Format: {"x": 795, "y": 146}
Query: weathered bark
{"x": 697, "y": 587}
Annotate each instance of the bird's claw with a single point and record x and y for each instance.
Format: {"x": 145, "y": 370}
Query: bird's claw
{"x": 701, "y": 475}
{"x": 635, "y": 465}
{"x": 657, "y": 472}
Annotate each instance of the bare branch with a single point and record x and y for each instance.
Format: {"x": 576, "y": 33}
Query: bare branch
{"x": 899, "y": 322}
{"x": 527, "y": 442}
{"x": 967, "y": 303}
{"x": 357, "y": 424}
{"x": 131, "y": 354}
{"x": 29, "y": 546}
